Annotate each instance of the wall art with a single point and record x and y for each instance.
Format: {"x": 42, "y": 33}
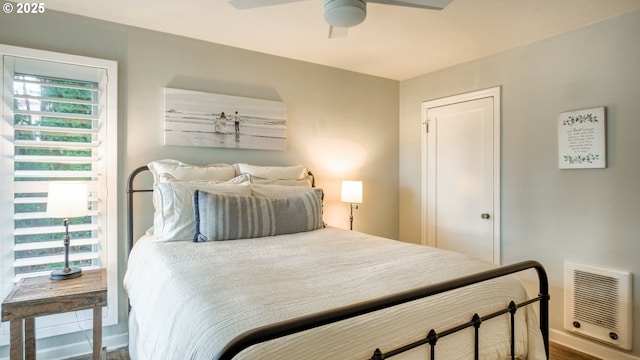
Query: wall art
{"x": 581, "y": 139}
{"x": 193, "y": 118}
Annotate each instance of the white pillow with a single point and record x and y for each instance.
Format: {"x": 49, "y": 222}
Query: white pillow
{"x": 273, "y": 172}
{"x": 278, "y": 191}
{"x": 240, "y": 179}
{"x": 181, "y": 171}
{"x": 174, "y": 218}
{"x": 306, "y": 181}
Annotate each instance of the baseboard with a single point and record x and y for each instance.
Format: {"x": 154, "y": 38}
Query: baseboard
{"x": 588, "y": 347}
{"x": 67, "y": 351}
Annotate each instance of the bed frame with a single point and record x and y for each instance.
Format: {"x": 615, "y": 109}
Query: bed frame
{"x": 289, "y": 327}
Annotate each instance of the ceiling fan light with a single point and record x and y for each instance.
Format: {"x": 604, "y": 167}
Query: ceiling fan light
{"x": 344, "y": 13}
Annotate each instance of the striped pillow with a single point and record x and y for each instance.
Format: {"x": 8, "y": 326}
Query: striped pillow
{"x": 229, "y": 217}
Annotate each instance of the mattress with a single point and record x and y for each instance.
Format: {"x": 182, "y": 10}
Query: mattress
{"x": 190, "y": 299}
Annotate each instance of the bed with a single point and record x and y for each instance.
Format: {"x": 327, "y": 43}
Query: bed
{"x": 240, "y": 266}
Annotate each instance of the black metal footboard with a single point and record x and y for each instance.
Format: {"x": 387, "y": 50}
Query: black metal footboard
{"x": 289, "y": 327}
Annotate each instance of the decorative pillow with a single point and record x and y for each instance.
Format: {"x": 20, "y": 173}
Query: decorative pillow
{"x": 181, "y": 171}
{"x": 272, "y": 172}
{"x": 174, "y": 218}
{"x": 229, "y": 217}
{"x": 278, "y": 191}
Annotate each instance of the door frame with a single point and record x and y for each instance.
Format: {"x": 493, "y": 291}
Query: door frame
{"x": 451, "y": 100}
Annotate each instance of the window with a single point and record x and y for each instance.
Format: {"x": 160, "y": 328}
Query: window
{"x": 59, "y": 124}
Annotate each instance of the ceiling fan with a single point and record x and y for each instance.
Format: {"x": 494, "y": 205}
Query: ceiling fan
{"x": 344, "y": 14}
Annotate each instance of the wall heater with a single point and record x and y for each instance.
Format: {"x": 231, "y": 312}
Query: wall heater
{"x": 598, "y": 303}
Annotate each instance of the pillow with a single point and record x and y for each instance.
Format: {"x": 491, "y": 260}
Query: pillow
{"x": 240, "y": 179}
{"x": 277, "y": 191}
{"x": 306, "y": 181}
{"x": 230, "y": 217}
{"x": 272, "y": 172}
{"x": 174, "y": 218}
{"x": 181, "y": 171}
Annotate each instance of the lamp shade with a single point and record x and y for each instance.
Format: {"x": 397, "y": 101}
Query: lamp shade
{"x": 351, "y": 192}
{"x": 67, "y": 199}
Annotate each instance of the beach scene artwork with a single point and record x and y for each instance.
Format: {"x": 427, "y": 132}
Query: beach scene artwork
{"x": 193, "y": 118}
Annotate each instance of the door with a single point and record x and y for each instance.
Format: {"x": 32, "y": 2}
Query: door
{"x": 461, "y": 170}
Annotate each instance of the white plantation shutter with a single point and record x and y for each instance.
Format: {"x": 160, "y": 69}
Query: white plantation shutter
{"x": 59, "y": 124}
{"x": 56, "y": 138}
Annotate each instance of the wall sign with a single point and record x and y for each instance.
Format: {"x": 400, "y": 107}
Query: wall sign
{"x": 193, "y": 118}
{"x": 581, "y": 139}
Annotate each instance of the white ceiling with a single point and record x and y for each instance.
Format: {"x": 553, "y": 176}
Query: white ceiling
{"x": 393, "y": 42}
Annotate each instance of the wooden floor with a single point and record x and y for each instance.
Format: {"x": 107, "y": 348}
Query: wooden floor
{"x": 118, "y": 354}
{"x": 556, "y": 352}
{"x": 559, "y": 352}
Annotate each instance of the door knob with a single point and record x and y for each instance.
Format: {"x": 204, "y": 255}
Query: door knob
{"x": 485, "y": 216}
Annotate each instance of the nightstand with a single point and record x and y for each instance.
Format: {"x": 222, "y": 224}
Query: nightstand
{"x": 39, "y": 296}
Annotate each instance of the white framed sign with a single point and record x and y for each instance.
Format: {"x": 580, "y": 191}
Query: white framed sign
{"x": 581, "y": 139}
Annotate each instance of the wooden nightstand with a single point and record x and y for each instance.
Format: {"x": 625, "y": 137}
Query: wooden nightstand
{"x": 39, "y": 296}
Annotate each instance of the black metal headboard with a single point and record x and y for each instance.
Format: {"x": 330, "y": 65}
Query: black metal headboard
{"x": 131, "y": 191}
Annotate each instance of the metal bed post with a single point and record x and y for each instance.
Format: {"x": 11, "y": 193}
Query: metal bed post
{"x": 130, "y": 192}
{"x": 512, "y": 316}
{"x": 477, "y": 321}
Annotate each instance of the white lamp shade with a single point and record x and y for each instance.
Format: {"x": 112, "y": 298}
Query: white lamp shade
{"x": 351, "y": 192}
{"x": 67, "y": 199}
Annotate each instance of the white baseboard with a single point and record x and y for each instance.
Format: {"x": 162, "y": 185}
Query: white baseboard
{"x": 588, "y": 347}
{"x": 67, "y": 351}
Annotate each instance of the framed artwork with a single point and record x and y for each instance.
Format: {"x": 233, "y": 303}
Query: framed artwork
{"x": 581, "y": 139}
{"x": 193, "y": 118}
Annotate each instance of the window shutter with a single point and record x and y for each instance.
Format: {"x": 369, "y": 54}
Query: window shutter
{"x": 58, "y": 118}
{"x": 56, "y": 130}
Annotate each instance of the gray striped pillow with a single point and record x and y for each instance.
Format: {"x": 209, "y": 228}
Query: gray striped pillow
{"x": 229, "y": 217}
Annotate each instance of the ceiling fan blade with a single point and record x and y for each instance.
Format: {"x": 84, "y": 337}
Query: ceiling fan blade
{"x": 250, "y": 4}
{"x": 337, "y": 32}
{"x": 421, "y": 4}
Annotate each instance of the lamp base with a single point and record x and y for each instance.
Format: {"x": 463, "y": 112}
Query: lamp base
{"x": 70, "y": 273}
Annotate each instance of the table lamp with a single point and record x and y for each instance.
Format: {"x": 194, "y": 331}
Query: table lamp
{"x": 351, "y": 193}
{"x": 66, "y": 200}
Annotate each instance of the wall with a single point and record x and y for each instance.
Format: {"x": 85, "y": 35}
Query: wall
{"x": 342, "y": 125}
{"x": 548, "y": 214}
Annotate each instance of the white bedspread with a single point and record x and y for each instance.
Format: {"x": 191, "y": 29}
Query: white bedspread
{"x": 190, "y": 299}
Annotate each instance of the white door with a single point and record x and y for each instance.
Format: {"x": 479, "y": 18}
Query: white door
{"x": 461, "y": 169}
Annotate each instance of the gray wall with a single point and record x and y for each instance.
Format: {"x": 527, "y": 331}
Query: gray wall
{"x": 551, "y": 215}
{"x": 342, "y": 125}
{"x": 548, "y": 214}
